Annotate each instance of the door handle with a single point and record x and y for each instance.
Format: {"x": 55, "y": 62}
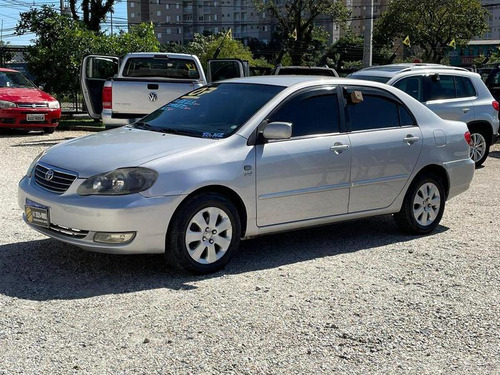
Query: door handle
{"x": 410, "y": 139}
{"x": 339, "y": 147}
{"x": 465, "y": 110}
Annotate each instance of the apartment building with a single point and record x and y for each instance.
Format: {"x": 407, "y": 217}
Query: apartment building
{"x": 178, "y": 20}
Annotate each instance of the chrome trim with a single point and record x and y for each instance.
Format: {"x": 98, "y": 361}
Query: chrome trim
{"x": 59, "y": 183}
{"x": 304, "y": 191}
{"x": 379, "y": 180}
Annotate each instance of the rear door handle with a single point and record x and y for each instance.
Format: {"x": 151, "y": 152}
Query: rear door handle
{"x": 410, "y": 139}
{"x": 339, "y": 147}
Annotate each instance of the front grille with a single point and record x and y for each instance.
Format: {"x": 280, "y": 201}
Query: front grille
{"x": 70, "y": 232}
{"x": 60, "y": 181}
{"x": 33, "y": 105}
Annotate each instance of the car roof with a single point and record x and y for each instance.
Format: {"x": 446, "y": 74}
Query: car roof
{"x": 393, "y": 69}
{"x": 305, "y": 80}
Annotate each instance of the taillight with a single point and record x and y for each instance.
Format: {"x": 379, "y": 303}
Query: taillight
{"x": 495, "y": 105}
{"x": 107, "y": 97}
{"x": 468, "y": 139}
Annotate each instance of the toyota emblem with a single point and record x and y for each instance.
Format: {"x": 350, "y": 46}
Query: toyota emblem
{"x": 49, "y": 175}
{"x": 153, "y": 96}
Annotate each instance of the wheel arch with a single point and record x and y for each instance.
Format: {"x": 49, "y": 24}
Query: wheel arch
{"x": 480, "y": 125}
{"x": 228, "y": 193}
{"x": 438, "y": 171}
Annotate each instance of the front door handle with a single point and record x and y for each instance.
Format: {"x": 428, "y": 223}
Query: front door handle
{"x": 465, "y": 110}
{"x": 410, "y": 139}
{"x": 339, "y": 147}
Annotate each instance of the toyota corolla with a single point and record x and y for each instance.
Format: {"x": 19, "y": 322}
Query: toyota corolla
{"x": 248, "y": 157}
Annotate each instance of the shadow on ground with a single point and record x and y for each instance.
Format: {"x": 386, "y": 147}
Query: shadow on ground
{"x": 48, "y": 269}
{"x": 494, "y": 154}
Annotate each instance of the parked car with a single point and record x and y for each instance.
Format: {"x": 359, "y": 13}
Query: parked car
{"x": 248, "y": 157}
{"x": 305, "y": 71}
{"x": 453, "y": 93}
{"x": 121, "y": 91}
{"x": 491, "y": 77}
{"x": 25, "y": 106}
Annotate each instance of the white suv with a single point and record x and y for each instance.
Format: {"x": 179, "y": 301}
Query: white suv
{"x": 453, "y": 93}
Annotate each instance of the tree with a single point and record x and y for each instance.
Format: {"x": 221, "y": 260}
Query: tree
{"x": 296, "y": 22}
{"x": 432, "y": 24}
{"x": 94, "y": 12}
{"x": 61, "y": 43}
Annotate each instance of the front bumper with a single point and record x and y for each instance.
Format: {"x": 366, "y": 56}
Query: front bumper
{"x": 71, "y": 213}
{"x": 18, "y": 118}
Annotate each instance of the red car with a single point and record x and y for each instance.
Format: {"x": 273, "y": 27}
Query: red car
{"x": 25, "y": 106}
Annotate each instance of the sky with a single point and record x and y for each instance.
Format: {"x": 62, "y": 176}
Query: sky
{"x": 10, "y": 10}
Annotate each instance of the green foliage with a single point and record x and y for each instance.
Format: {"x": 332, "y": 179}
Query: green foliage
{"x": 432, "y": 24}
{"x": 346, "y": 54}
{"x": 61, "y": 43}
{"x": 299, "y": 35}
{"x": 205, "y": 46}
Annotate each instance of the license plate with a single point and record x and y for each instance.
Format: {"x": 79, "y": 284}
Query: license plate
{"x": 37, "y": 214}
{"x": 35, "y": 117}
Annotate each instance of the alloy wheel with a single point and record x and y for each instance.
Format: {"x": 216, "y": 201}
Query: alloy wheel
{"x": 426, "y": 204}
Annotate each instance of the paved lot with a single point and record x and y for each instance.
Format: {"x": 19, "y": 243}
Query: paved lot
{"x": 352, "y": 298}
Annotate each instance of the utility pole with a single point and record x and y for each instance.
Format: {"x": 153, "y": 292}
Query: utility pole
{"x": 62, "y": 6}
{"x": 368, "y": 41}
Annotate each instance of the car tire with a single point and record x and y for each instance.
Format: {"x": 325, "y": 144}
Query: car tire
{"x": 49, "y": 130}
{"x": 423, "y": 206}
{"x": 204, "y": 234}
{"x": 480, "y": 147}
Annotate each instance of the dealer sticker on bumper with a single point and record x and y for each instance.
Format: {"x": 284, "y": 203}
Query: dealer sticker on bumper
{"x": 37, "y": 214}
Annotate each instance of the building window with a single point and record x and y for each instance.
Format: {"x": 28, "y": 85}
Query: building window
{"x": 167, "y": 18}
{"x": 132, "y": 4}
{"x": 167, "y": 6}
{"x": 177, "y": 6}
{"x": 177, "y": 18}
{"x": 215, "y": 17}
{"x": 179, "y": 30}
{"x": 158, "y": 13}
{"x": 169, "y": 31}
{"x": 158, "y": 35}
{"x": 132, "y": 15}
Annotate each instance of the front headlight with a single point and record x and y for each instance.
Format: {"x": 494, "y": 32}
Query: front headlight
{"x": 54, "y": 105}
{"x": 33, "y": 164}
{"x": 5, "y": 104}
{"x": 119, "y": 182}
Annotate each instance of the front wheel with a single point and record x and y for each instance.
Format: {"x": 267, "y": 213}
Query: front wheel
{"x": 423, "y": 206}
{"x": 204, "y": 234}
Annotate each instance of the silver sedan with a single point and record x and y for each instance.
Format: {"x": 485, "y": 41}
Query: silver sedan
{"x": 248, "y": 157}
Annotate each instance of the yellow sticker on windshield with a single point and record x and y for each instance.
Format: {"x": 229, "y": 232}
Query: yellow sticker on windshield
{"x": 190, "y": 66}
{"x": 199, "y": 92}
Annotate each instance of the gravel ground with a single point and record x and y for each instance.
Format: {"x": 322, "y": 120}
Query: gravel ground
{"x": 352, "y": 298}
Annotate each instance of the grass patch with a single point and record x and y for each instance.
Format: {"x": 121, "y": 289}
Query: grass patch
{"x": 80, "y": 124}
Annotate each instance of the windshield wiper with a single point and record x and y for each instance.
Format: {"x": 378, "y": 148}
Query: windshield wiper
{"x": 143, "y": 126}
{"x": 193, "y": 133}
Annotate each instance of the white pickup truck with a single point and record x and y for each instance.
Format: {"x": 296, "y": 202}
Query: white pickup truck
{"x": 143, "y": 82}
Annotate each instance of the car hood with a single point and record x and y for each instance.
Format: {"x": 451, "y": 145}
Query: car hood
{"x": 118, "y": 148}
{"x": 20, "y": 95}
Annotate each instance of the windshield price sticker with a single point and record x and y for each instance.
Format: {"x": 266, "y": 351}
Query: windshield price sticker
{"x": 213, "y": 135}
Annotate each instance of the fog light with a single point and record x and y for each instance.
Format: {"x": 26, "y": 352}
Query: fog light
{"x": 114, "y": 238}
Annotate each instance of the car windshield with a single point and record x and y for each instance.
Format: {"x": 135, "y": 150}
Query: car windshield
{"x": 15, "y": 80}
{"x": 371, "y": 78}
{"x": 214, "y": 111}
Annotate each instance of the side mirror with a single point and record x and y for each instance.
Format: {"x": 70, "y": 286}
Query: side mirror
{"x": 277, "y": 130}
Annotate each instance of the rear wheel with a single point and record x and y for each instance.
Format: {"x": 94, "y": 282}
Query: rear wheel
{"x": 49, "y": 130}
{"x": 480, "y": 147}
{"x": 423, "y": 206}
{"x": 204, "y": 234}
